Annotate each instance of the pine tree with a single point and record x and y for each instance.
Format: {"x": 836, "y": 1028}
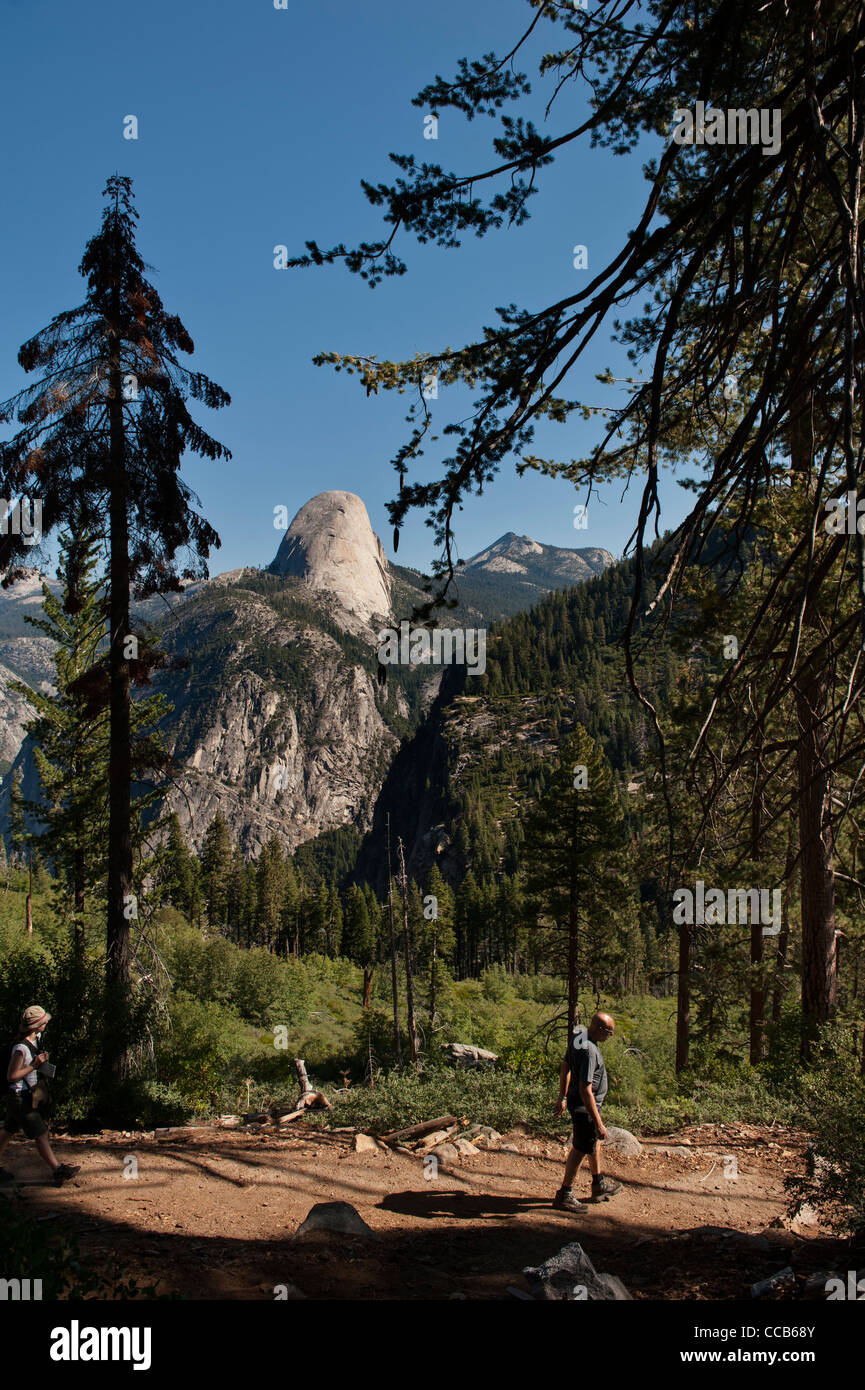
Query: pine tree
{"x": 577, "y": 873}
{"x": 104, "y": 432}
{"x": 270, "y": 885}
{"x": 215, "y": 864}
{"x": 179, "y": 867}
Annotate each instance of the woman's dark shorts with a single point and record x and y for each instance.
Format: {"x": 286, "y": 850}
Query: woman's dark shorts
{"x": 21, "y": 1115}
{"x": 585, "y": 1132}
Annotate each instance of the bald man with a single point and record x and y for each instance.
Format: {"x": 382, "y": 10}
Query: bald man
{"x": 583, "y": 1083}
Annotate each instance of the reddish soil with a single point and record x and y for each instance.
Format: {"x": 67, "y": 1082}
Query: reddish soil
{"x": 212, "y": 1214}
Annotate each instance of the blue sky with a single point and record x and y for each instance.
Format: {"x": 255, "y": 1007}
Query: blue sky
{"x": 255, "y": 128}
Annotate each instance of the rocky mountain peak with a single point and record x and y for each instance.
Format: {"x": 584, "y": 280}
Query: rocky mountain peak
{"x": 331, "y": 544}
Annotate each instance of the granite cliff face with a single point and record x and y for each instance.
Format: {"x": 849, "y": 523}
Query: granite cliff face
{"x": 278, "y": 720}
{"x": 332, "y": 547}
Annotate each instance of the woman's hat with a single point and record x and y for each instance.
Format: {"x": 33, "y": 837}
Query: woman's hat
{"x": 34, "y": 1018}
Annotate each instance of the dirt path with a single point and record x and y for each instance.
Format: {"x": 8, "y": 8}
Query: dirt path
{"x": 212, "y": 1214}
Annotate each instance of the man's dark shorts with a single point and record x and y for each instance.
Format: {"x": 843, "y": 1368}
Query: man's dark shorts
{"x": 21, "y": 1115}
{"x": 585, "y": 1131}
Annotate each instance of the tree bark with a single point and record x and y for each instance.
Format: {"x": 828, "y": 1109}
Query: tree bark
{"x": 683, "y": 998}
{"x": 29, "y": 903}
{"x": 758, "y": 987}
{"x": 393, "y": 979}
{"x": 407, "y": 945}
{"x": 816, "y": 838}
{"x": 115, "y": 1055}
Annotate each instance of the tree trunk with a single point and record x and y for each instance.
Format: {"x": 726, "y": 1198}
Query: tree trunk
{"x": 573, "y": 928}
{"x": 816, "y": 839}
{"x": 816, "y": 843}
{"x": 121, "y": 905}
{"x": 393, "y": 979}
{"x": 368, "y": 972}
{"x": 407, "y": 945}
{"x": 432, "y": 977}
{"x": 683, "y": 997}
{"x": 784, "y": 936}
{"x": 29, "y": 903}
{"x": 759, "y": 987}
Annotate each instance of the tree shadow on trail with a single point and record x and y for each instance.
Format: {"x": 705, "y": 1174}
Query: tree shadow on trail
{"x": 467, "y": 1205}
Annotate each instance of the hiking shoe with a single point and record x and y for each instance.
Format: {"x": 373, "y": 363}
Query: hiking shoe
{"x": 605, "y": 1187}
{"x": 64, "y": 1173}
{"x": 566, "y": 1201}
{"x": 6, "y": 1176}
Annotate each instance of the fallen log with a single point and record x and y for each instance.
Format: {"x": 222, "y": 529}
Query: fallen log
{"x": 308, "y": 1098}
{"x": 418, "y": 1131}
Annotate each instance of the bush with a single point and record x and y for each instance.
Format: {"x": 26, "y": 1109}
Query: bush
{"x": 833, "y": 1105}
{"x": 267, "y": 990}
{"x": 191, "y": 1057}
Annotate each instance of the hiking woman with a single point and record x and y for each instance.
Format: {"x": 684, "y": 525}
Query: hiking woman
{"x": 21, "y": 1079}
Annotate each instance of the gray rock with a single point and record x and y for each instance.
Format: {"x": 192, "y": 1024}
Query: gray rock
{"x": 621, "y": 1141}
{"x": 340, "y": 1217}
{"x": 616, "y": 1287}
{"x": 365, "y": 1144}
{"x": 332, "y": 546}
{"x": 446, "y": 1153}
{"x": 571, "y": 1277}
{"x": 782, "y": 1282}
{"x": 465, "y": 1147}
{"x": 467, "y": 1055}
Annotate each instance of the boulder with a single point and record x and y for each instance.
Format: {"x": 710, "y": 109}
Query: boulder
{"x": 365, "y": 1144}
{"x": 467, "y": 1055}
{"x": 446, "y": 1153}
{"x": 340, "y": 1217}
{"x": 483, "y": 1135}
{"x": 571, "y": 1277}
{"x": 621, "y": 1141}
{"x": 465, "y": 1147}
{"x": 782, "y": 1282}
{"x": 618, "y": 1292}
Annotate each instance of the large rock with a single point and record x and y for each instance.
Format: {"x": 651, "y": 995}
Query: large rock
{"x": 467, "y": 1055}
{"x": 365, "y": 1144}
{"x": 571, "y": 1277}
{"x": 465, "y": 1147}
{"x": 332, "y": 545}
{"x": 340, "y": 1217}
{"x": 622, "y": 1141}
{"x": 446, "y": 1153}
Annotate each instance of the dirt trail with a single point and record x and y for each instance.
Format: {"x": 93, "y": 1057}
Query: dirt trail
{"x": 212, "y": 1214}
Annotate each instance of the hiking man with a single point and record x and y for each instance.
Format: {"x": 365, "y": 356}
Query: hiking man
{"x": 583, "y": 1081}
{"x": 21, "y": 1081}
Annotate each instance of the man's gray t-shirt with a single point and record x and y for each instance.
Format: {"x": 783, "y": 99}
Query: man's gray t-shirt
{"x": 585, "y": 1063}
